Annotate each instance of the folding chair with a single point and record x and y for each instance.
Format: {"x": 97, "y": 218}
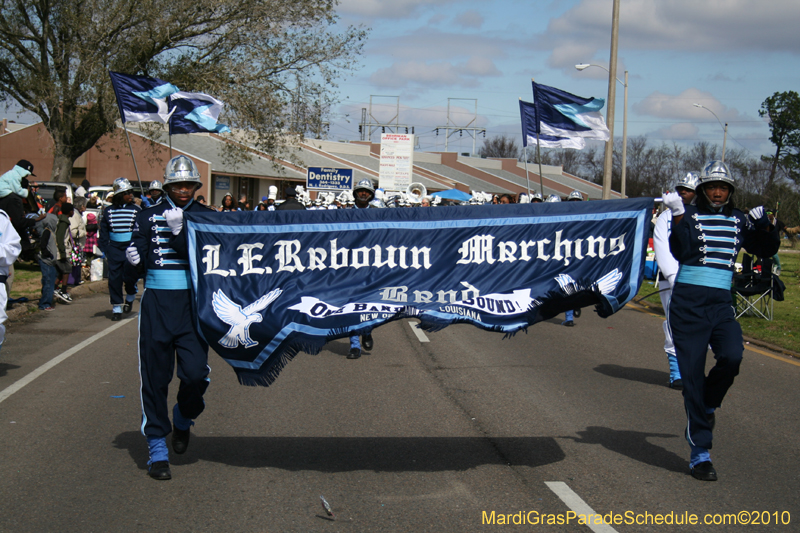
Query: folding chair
{"x": 753, "y": 289}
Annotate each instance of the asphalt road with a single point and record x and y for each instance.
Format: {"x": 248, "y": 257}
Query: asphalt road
{"x": 414, "y": 436}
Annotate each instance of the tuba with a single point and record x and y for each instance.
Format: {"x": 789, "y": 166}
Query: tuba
{"x": 416, "y": 192}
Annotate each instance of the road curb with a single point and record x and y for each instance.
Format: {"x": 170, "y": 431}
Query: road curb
{"x": 88, "y": 288}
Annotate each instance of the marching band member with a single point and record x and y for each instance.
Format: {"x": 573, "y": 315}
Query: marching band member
{"x": 685, "y": 187}
{"x": 166, "y": 320}
{"x": 705, "y": 240}
{"x": 572, "y": 314}
{"x": 116, "y": 227}
{"x": 364, "y": 194}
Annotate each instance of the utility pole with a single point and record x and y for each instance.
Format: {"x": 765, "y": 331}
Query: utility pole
{"x": 608, "y": 162}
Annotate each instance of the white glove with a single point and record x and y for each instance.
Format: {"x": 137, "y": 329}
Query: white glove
{"x": 133, "y": 255}
{"x": 674, "y": 203}
{"x": 760, "y": 220}
{"x": 174, "y": 219}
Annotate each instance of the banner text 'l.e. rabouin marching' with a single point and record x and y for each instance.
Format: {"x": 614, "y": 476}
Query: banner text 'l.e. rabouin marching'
{"x": 268, "y": 284}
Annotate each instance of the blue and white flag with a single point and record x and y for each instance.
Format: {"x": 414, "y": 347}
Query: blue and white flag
{"x": 269, "y": 284}
{"x": 140, "y": 98}
{"x": 565, "y": 115}
{"x": 530, "y": 135}
{"x": 195, "y": 113}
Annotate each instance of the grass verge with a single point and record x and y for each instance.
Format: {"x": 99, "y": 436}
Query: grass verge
{"x": 782, "y": 331}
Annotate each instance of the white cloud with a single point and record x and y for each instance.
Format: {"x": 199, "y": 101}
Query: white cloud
{"x": 435, "y": 74}
{"x": 686, "y": 25}
{"x": 372, "y": 9}
{"x": 680, "y": 107}
{"x": 470, "y": 19}
{"x": 437, "y": 45}
{"x": 676, "y": 132}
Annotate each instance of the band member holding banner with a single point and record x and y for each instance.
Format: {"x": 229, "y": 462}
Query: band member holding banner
{"x": 167, "y": 322}
{"x": 706, "y": 239}
{"x": 685, "y": 187}
{"x": 115, "y": 233}
{"x": 364, "y": 194}
{"x": 571, "y": 315}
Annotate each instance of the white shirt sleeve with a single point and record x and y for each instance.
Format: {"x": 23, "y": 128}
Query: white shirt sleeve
{"x": 666, "y": 262}
{"x": 10, "y": 246}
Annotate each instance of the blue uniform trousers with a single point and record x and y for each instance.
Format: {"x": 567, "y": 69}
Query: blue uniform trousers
{"x": 166, "y": 330}
{"x": 120, "y": 272}
{"x": 699, "y": 316}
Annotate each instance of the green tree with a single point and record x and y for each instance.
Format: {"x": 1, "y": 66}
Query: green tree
{"x": 783, "y": 111}
{"x": 267, "y": 59}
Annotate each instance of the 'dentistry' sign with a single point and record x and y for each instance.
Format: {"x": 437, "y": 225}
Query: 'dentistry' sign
{"x": 320, "y": 178}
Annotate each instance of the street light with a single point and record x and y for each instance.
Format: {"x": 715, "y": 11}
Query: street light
{"x": 584, "y": 66}
{"x": 724, "y": 128}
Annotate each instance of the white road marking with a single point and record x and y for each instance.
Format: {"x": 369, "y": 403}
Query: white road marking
{"x": 17, "y": 385}
{"x": 576, "y": 504}
{"x": 418, "y": 332}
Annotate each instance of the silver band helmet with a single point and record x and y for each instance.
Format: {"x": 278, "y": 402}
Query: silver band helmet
{"x": 689, "y": 181}
{"x": 553, "y": 198}
{"x": 717, "y": 171}
{"x": 155, "y": 185}
{"x": 122, "y": 185}
{"x": 365, "y": 185}
{"x": 181, "y": 168}
{"x": 575, "y": 196}
{"x": 537, "y": 197}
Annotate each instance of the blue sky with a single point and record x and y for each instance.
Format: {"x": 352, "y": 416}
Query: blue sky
{"x": 728, "y": 55}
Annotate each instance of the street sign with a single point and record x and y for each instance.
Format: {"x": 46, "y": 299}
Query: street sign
{"x": 329, "y": 179}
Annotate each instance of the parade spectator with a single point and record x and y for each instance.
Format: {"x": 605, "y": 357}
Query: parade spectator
{"x": 228, "y": 204}
{"x": 90, "y": 243}
{"x": 13, "y": 192}
{"x": 48, "y": 258}
{"x": 59, "y": 199}
{"x": 63, "y": 242}
{"x": 780, "y": 226}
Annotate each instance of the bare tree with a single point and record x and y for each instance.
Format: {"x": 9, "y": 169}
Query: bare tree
{"x": 500, "y": 146}
{"x": 253, "y": 54}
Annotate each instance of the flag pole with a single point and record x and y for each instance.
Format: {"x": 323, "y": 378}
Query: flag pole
{"x": 527, "y": 177}
{"x": 539, "y": 158}
{"x": 538, "y": 153}
{"x": 130, "y": 146}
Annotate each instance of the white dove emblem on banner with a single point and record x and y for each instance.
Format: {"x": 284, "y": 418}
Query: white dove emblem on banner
{"x": 240, "y": 319}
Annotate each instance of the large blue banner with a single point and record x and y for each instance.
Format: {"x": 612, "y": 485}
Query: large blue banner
{"x": 271, "y": 283}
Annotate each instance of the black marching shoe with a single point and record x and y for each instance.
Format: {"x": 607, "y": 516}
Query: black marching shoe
{"x": 704, "y": 471}
{"x": 568, "y": 323}
{"x": 180, "y": 440}
{"x": 116, "y": 317}
{"x": 576, "y": 313}
{"x": 126, "y": 308}
{"x": 366, "y": 342}
{"x": 677, "y": 384}
{"x": 355, "y": 353}
{"x": 160, "y": 471}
